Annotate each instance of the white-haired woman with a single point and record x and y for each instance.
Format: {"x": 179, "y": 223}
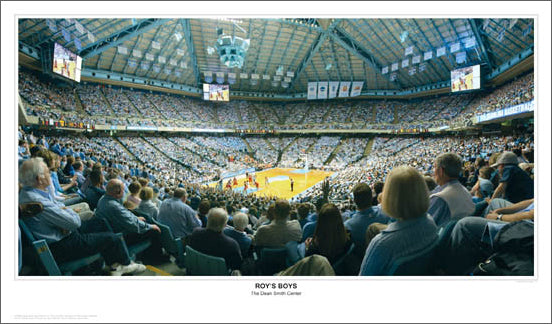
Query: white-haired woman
{"x": 405, "y": 198}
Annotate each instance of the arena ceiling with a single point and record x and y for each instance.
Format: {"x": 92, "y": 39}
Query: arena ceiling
{"x": 180, "y": 50}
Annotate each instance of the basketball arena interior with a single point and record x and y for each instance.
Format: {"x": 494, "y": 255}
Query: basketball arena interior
{"x": 276, "y": 147}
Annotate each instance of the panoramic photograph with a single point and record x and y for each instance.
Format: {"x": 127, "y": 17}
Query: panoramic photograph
{"x": 289, "y": 146}
{"x": 201, "y": 162}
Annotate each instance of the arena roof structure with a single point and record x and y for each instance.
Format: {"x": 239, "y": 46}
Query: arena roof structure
{"x": 280, "y": 56}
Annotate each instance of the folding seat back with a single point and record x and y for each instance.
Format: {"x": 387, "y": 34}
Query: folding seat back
{"x": 201, "y": 264}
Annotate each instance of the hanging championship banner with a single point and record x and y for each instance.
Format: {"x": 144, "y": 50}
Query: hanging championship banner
{"x": 149, "y": 57}
{"x": 416, "y": 59}
{"x": 394, "y": 67}
{"x": 428, "y": 55}
{"x": 441, "y": 51}
{"x": 322, "y": 90}
{"x": 409, "y": 51}
{"x": 66, "y": 35}
{"x": 220, "y": 77}
{"x": 155, "y": 45}
{"x": 136, "y": 53}
{"x": 344, "y": 89}
{"x": 334, "y": 85}
{"x": 122, "y": 50}
{"x": 91, "y": 37}
{"x": 208, "y": 76}
{"x": 461, "y": 57}
{"x": 454, "y": 47}
{"x": 79, "y": 27}
{"x": 311, "y": 93}
{"x": 469, "y": 42}
{"x": 78, "y": 44}
{"x": 231, "y": 78}
{"x": 162, "y": 59}
{"x": 385, "y": 70}
{"x": 404, "y": 63}
{"x": 356, "y": 88}
{"x": 243, "y": 75}
{"x": 52, "y": 25}
{"x": 179, "y": 52}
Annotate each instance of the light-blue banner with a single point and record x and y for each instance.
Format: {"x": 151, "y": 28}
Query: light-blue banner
{"x": 510, "y": 111}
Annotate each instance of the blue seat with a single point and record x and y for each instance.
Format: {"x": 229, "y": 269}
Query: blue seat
{"x": 341, "y": 267}
{"x": 273, "y": 260}
{"x": 294, "y": 254}
{"x": 133, "y": 250}
{"x": 442, "y": 255}
{"x": 47, "y": 260}
{"x": 201, "y": 264}
{"x": 173, "y": 246}
{"x": 418, "y": 264}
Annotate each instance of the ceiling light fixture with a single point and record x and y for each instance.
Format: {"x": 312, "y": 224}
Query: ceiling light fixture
{"x": 232, "y": 50}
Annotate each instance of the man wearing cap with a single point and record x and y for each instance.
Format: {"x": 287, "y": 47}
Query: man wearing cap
{"x": 515, "y": 184}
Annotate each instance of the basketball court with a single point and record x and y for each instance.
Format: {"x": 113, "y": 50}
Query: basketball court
{"x": 279, "y": 182}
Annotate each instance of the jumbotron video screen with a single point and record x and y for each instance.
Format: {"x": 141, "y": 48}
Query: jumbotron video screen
{"x": 66, "y": 63}
{"x": 216, "y": 92}
{"x": 467, "y": 78}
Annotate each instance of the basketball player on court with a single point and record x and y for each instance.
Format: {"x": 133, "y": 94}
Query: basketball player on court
{"x": 291, "y": 183}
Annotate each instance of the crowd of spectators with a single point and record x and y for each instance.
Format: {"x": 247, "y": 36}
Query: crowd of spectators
{"x": 119, "y": 102}
{"x": 291, "y": 157}
{"x": 228, "y": 113}
{"x": 144, "y": 105}
{"x": 162, "y": 188}
{"x": 350, "y": 150}
{"x": 93, "y": 101}
{"x": 43, "y": 93}
{"x": 138, "y": 108}
{"x": 262, "y": 151}
{"x": 322, "y": 149}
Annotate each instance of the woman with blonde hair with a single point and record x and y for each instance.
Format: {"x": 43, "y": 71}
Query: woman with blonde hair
{"x": 405, "y": 198}
{"x": 147, "y": 206}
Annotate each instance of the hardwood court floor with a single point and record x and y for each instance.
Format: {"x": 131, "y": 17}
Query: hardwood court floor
{"x": 279, "y": 182}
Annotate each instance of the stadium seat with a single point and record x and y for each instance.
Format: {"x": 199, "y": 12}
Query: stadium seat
{"x": 173, "y": 246}
{"x": 418, "y": 264}
{"x": 135, "y": 249}
{"x": 348, "y": 264}
{"x": 293, "y": 253}
{"x": 273, "y": 260}
{"x": 47, "y": 260}
{"x": 442, "y": 249}
{"x": 200, "y": 264}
